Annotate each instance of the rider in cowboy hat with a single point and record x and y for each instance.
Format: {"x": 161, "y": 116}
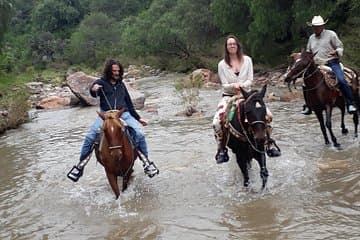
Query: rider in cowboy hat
{"x": 328, "y": 48}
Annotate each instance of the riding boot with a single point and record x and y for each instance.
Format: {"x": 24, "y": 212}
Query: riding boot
{"x": 272, "y": 149}
{"x": 306, "y": 110}
{"x": 222, "y": 152}
{"x": 150, "y": 168}
{"x": 77, "y": 171}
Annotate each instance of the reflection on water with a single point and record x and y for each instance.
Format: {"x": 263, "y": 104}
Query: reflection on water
{"x": 313, "y": 189}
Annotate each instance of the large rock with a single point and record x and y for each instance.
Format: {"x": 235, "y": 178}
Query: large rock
{"x": 53, "y": 102}
{"x": 79, "y": 83}
{"x": 206, "y": 76}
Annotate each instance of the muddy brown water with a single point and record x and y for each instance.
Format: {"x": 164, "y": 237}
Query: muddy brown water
{"x": 313, "y": 189}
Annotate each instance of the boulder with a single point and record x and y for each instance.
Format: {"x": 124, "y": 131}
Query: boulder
{"x": 79, "y": 84}
{"x": 206, "y": 76}
{"x": 53, "y": 102}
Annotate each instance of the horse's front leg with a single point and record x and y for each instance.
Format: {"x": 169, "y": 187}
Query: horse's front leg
{"x": 242, "y": 161}
{"x": 320, "y": 118}
{"x": 126, "y": 179}
{"x": 329, "y": 126}
{"x": 261, "y": 158}
{"x": 113, "y": 183}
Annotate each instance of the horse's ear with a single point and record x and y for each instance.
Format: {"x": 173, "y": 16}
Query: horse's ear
{"x": 244, "y": 93}
{"x": 101, "y": 115}
{"x": 118, "y": 113}
{"x": 263, "y": 90}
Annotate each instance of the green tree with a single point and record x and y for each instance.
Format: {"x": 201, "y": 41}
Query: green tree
{"x": 56, "y": 16}
{"x": 96, "y": 39}
{"x": 6, "y": 11}
{"x": 119, "y": 9}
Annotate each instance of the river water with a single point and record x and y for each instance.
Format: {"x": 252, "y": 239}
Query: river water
{"x": 313, "y": 189}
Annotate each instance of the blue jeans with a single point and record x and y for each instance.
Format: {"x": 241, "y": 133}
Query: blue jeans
{"x": 94, "y": 133}
{"x": 344, "y": 87}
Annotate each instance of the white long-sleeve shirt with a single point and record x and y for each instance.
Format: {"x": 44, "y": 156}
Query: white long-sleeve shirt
{"x": 327, "y": 42}
{"x": 229, "y": 78}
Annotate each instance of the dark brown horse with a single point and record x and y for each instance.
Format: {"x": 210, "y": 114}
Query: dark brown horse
{"x": 248, "y": 133}
{"x": 319, "y": 96}
{"x": 115, "y": 151}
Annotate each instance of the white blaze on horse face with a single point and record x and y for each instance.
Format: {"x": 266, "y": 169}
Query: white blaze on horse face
{"x": 257, "y": 105}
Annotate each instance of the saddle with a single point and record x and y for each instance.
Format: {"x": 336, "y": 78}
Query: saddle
{"x": 330, "y": 77}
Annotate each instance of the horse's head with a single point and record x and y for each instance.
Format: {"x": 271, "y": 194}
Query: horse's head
{"x": 299, "y": 64}
{"x": 113, "y": 129}
{"x": 254, "y": 110}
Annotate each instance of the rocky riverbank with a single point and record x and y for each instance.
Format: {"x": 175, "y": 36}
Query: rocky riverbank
{"x": 74, "y": 90}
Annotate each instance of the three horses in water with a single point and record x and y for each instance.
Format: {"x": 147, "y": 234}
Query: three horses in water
{"x": 321, "y": 96}
{"x": 247, "y": 137}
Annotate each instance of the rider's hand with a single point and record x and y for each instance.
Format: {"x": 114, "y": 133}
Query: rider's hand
{"x": 96, "y": 87}
{"x": 237, "y": 86}
{"x": 333, "y": 53}
{"x": 143, "y": 122}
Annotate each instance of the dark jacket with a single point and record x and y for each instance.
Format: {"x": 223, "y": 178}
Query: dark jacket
{"x": 117, "y": 96}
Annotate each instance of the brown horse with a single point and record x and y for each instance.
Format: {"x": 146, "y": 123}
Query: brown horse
{"x": 319, "y": 96}
{"x": 248, "y": 133}
{"x": 115, "y": 151}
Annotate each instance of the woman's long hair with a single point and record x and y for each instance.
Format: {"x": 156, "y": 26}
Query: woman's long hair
{"x": 239, "y": 51}
{"x": 107, "y": 74}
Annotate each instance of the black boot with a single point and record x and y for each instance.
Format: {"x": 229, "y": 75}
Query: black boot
{"x": 306, "y": 110}
{"x": 77, "y": 170}
{"x": 222, "y": 156}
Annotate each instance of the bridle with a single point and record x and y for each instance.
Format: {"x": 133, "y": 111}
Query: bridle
{"x": 120, "y": 146}
{"x": 243, "y": 136}
{"x": 303, "y": 75}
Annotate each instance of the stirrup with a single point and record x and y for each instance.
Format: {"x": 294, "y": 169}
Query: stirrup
{"x": 151, "y": 170}
{"x": 272, "y": 151}
{"x": 222, "y": 156}
{"x": 76, "y": 172}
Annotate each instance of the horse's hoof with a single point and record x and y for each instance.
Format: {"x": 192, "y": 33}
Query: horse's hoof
{"x": 344, "y": 131}
{"x": 338, "y": 146}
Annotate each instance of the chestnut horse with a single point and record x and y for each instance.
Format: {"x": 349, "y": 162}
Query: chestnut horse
{"x": 319, "y": 96}
{"x": 248, "y": 133}
{"x": 115, "y": 151}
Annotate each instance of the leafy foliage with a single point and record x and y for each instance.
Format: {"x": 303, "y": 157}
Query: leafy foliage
{"x": 177, "y": 34}
{"x": 94, "y": 41}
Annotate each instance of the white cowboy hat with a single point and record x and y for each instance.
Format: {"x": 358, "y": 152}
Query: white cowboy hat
{"x": 317, "y": 21}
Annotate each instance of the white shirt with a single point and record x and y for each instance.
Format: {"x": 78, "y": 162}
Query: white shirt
{"x": 327, "y": 42}
{"x": 229, "y": 78}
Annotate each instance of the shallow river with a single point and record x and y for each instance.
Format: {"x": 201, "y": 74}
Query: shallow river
{"x": 313, "y": 189}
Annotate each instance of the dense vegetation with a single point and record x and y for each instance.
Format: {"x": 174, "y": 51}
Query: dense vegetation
{"x": 42, "y": 36}
{"x": 174, "y": 34}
